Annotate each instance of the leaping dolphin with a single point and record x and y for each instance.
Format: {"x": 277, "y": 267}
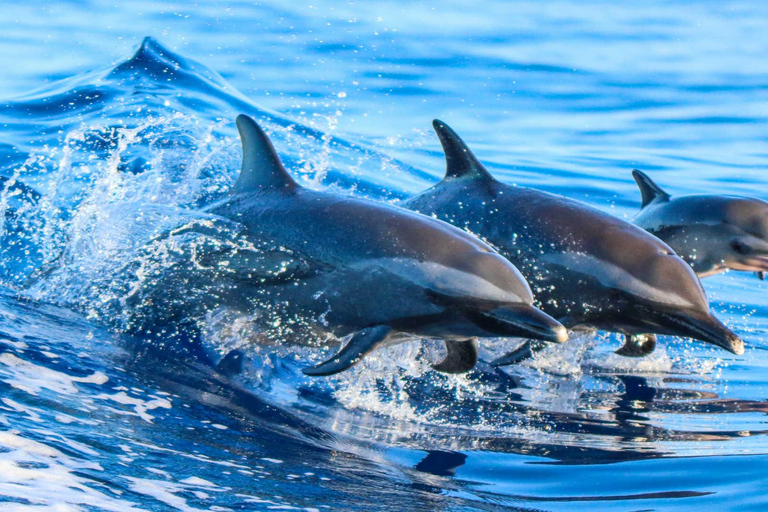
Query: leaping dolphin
{"x": 711, "y": 232}
{"x": 587, "y": 268}
{"x": 371, "y": 272}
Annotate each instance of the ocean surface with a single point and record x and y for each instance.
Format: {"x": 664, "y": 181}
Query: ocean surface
{"x": 118, "y": 123}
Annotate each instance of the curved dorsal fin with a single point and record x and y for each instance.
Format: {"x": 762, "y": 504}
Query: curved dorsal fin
{"x": 261, "y": 166}
{"x": 459, "y": 160}
{"x": 650, "y": 191}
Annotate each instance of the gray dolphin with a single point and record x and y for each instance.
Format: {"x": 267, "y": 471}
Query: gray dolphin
{"x": 371, "y": 272}
{"x": 587, "y": 268}
{"x": 711, "y": 232}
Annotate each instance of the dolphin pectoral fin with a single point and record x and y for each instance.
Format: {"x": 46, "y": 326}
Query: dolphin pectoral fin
{"x": 461, "y": 356}
{"x": 359, "y": 345}
{"x": 637, "y": 345}
{"x": 760, "y": 275}
{"x": 521, "y": 353}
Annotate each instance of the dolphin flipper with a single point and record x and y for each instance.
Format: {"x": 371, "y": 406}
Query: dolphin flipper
{"x": 521, "y": 353}
{"x": 461, "y": 357}
{"x": 359, "y": 345}
{"x": 637, "y": 345}
{"x": 760, "y": 275}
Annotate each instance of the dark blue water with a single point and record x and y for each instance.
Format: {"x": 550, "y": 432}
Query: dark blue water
{"x": 107, "y": 142}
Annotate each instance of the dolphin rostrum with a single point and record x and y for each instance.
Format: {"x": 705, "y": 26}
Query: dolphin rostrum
{"x": 372, "y": 273}
{"x": 587, "y": 268}
{"x": 711, "y": 232}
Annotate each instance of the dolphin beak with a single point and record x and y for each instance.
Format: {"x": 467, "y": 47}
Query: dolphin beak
{"x": 707, "y": 328}
{"x": 522, "y": 320}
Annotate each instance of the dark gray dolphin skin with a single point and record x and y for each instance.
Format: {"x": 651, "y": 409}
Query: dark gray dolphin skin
{"x": 587, "y": 268}
{"x": 711, "y": 232}
{"x": 371, "y": 272}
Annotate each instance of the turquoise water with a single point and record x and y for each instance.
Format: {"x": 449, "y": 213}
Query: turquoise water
{"x": 111, "y": 138}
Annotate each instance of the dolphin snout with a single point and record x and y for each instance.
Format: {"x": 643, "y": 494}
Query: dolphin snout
{"x": 522, "y": 320}
{"x": 707, "y": 328}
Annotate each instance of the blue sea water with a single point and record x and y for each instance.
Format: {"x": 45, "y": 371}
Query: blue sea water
{"x": 109, "y": 138}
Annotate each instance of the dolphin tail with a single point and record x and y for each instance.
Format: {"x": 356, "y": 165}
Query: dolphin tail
{"x": 461, "y": 357}
{"x": 649, "y": 190}
{"x": 359, "y": 345}
{"x": 521, "y": 353}
{"x": 637, "y": 345}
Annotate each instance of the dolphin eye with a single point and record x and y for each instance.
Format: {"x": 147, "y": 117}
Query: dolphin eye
{"x": 740, "y": 247}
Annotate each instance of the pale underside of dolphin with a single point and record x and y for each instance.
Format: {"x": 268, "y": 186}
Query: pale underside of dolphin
{"x": 370, "y": 273}
{"x": 587, "y": 268}
{"x": 712, "y": 232}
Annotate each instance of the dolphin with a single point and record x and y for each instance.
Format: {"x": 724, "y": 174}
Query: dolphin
{"x": 712, "y": 232}
{"x": 588, "y": 269}
{"x": 368, "y": 272}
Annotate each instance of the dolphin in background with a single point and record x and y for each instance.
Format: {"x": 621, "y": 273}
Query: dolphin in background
{"x": 711, "y": 232}
{"x": 373, "y": 273}
{"x": 587, "y": 268}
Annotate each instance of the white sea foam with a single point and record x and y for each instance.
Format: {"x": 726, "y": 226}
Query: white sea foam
{"x": 140, "y": 407}
{"x": 34, "y": 378}
{"x": 41, "y": 477}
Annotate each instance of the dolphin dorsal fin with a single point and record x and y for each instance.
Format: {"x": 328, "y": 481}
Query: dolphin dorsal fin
{"x": 261, "y": 166}
{"x": 459, "y": 160}
{"x": 650, "y": 191}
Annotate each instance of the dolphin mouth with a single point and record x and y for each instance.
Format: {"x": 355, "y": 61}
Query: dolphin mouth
{"x": 706, "y": 328}
{"x": 521, "y": 320}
